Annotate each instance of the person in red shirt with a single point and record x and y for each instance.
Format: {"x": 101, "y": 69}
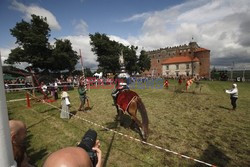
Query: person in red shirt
{"x": 166, "y": 84}
{"x": 180, "y": 81}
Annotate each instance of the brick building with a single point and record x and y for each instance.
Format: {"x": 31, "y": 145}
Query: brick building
{"x": 186, "y": 60}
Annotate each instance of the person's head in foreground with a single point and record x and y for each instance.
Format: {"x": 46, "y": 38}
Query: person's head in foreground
{"x": 18, "y": 134}
{"x": 86, "y": 154}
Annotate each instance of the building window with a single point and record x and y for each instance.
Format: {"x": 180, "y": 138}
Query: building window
{"x": 187, "y": 66}
{"x": 159, "y": 55}
{"x": 177, "y": 73}
{"x": 158, "y": 61}
{"x": 167, "y": 73}
{"x": 167, "y": 67}
{"x": 177, "y": 66}
{"x": 187, "y": 73}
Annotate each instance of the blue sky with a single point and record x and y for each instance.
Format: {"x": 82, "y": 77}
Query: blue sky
{"x": 221, "y": 26}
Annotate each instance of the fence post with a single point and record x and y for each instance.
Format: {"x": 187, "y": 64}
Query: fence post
{"x": 28, "y": 99}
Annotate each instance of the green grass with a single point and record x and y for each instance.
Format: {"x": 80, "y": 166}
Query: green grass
{"x": 196, "y": 124}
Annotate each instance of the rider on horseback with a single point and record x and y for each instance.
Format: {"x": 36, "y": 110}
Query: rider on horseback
{"x": 119, "y": 87}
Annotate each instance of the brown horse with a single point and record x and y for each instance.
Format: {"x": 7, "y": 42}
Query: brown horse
{"x": 128, "y": 102}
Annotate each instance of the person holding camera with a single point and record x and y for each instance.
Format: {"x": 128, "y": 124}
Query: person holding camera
{"x": 86, "y": 154}
{"x": 233, "y": 95}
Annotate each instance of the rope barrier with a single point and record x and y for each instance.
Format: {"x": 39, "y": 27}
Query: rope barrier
{"x": 133, "y": 138}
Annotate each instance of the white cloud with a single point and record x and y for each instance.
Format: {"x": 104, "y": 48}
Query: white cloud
{"x": 81, "y": 27}
{"x": 4, "y": 54}
{"x": 34, "y": 9}
{"x": 119, "y": 39}
{"x": 136, "y": 17}
{"x": 221, "y": 26}
{"x": 83, "y": 42}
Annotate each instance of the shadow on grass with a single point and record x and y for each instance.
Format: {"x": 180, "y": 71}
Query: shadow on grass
{"x": 126, "y": 122}
{"x": 214, "y": 156}
{"x": 223, "y": 107}
{"x": 115, "y": 125}
{"x": 32, "y": 154}
{"x": 48, "y": 110}
{"x": 41, "y": 121}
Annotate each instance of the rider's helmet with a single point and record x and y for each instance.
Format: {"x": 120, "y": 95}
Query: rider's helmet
{"x": 121, "y": 85}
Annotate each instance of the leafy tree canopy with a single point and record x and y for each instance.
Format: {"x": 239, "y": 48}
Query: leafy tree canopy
{"x": 63, "y": 56}
{"x": 34, "y": 47}
{"x": 144, "y": 62}
{"x": 108, "y": 52}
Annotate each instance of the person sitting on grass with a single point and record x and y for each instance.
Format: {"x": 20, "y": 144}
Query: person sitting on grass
{"x": 82, "y": 94}
{"x": 18, "y": 134}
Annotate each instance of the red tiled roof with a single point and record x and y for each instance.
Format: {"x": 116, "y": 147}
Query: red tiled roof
{"x": 200, "y": 50}
{"x": 179, "y": 59}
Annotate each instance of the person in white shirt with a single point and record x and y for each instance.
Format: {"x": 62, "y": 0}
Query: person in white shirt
{"x": 44, "y": 90}
{"x": 233, "y": 95}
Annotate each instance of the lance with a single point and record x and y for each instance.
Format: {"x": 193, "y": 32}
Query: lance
{"x": 83, "y": 75}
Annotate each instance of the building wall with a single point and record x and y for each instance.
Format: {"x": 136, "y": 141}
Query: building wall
{"x": 204, "y": 58}
{"x": 182, "y": 70}
{"x": 158, "y": 56}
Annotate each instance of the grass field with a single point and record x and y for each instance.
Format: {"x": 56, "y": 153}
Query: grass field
{"x": 198, "y": 125}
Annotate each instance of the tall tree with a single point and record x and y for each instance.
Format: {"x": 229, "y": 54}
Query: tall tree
{"x": 34, "y": 47}
{"x": 32, "y": 39}
{"x": 130, "y": 59}
{"x": 107, "y": 52}
{"x": 63, "y": 56}
{"x": 88, "y": 72}
{"x": 144, "y": 62}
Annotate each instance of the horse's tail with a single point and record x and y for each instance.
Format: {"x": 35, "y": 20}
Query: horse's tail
{"x": 144, "y": 115}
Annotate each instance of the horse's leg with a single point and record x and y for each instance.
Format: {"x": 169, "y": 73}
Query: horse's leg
{"x": 132, "y": 110}
{"x": 118, "y": 115}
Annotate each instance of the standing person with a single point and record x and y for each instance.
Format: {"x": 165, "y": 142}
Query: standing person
{"x": 233, "y": 95}
{"x": 180, "y": 80}
{"x": 65, "y": 103}
{"x": 82, "y": 94}
{"x": 56, "y": 89}
{"x": 166, "y": 84}
{"x": 44, "y": 89}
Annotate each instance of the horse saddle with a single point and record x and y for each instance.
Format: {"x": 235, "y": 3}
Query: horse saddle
{"x": 124, "y": 99}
